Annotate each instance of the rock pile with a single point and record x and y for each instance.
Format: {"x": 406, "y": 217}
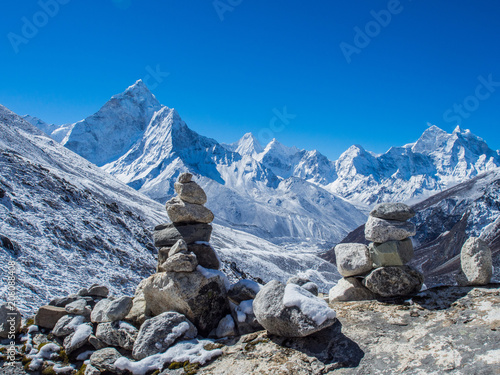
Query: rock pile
{"x": 379, "y": 269}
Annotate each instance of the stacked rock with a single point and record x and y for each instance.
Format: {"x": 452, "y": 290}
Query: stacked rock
{"x": 379, "y": 269}
{"x": 187, "y": 280}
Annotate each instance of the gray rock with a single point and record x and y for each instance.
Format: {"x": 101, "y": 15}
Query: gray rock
{"x": 304, "y": 283}
{"x": 184, "y": 212}
{"x": 138, "y": 313}
{"x": 67, "y": 325}
{"x": 169, "y": 234}
{"x": 277, "y": 312}
{"x": 78, "y": 338}
{"x": 179, "y": 263}
{"x": 394, "y": 281}
{"x": 98, "y": 291}
{"x": 83, "y": 292}
{"x": 119, "y": 308}
{"x": 179, "y": 247}
{"x": 91, "y": 370}
{"x": 118, "y": 333}
{"x": 190, "y": 192}
{"x": 47, "y": 316}
{"x": 109, "y": 310}
{"x": 381, "y": 230}
{"x": 78, "y": 307}
{"x": 476, "y": 261}
{"x": 226, "y": 327}
{"x": 185, "y": 177}
{"x": 353, "y": 259}
{"x": 96, "y": 343}
{"x": 10, "y": 321}
{"x": 104, "y": 359}
{"x": 202, "y": 300}
{"x": 62, "y": 302}
{"x": 243, "y": 290}
{"x": 206, "y": 255}
{"x": 393, "y": 211}
{"x": 159, "y": 333}
{"x": 391, "y": 253}
{"x": 349, "y": 289}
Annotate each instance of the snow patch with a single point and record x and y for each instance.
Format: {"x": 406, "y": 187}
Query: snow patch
{"x": 310, "y": 305}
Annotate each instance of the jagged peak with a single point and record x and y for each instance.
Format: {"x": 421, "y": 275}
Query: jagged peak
{"x": 138, "y": 92}
{"x": 248, "y": 145}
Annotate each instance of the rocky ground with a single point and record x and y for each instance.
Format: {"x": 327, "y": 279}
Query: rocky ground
{"x": 442, "y": 330}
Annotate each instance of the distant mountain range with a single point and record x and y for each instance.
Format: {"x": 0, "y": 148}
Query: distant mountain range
{"x": 285, "y": 195}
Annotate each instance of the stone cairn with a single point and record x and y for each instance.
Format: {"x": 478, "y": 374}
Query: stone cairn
{"x": 379, "y": 269}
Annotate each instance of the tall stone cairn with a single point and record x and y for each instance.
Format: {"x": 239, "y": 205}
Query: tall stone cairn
{"x": 379, "y": 269}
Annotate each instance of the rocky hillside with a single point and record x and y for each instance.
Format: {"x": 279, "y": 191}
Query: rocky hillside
{"x": 445, "y": 221}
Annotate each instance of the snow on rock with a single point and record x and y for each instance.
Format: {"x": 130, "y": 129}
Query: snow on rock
{"x": 311, "y": 306}
{"x": 192, "y": 351}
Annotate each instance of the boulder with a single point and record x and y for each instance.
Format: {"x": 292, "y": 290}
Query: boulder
{"x": 349, "y": 289}
{"x": 391, "y": 253}
{"x": 201, "y": 298}
{"x": 304, "y": 283}
{"x": 10, "y": 320}
{"x": 206, "y": 255}
{"x": 243, "y": 290}
{"x": 159, "y": 333}
{"x": 291, "y": 311}
{"x": 184, "y": 212}
{"x": 381, "y": 230}
{"x": 98, "y": 291}
{"x": 179, "y": 263}
{"x": 476, "y": 261}
{"x": 78, "y": 338}
{"x": 353, "y": 259}
{"x": 118, "y": 333}
{"x": 226, "y": 327}
{"x": 185, "y": 177}
{"x": 169, "y": 234}
{"x": 190, "y": 192}
{"x": 78, "y": 307}
{"x": 393, "y": 211}
{"x": 104, "y": 360}
{"x": 109, "y": 310}
{"x": 394, "y": 281}
{"x": 47, "y": 316}
{"x": 68, "y": 324}
{"x": 62, "y": 302}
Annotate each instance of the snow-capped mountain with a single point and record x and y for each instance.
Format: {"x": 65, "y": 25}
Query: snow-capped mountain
{"x": 67, "y": 224}
{"x": 147, "y": 145}
{"x": 276, "y": 192}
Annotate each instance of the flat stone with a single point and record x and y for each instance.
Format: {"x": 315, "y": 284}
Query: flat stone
{"x": 353, "y": 259}
{"x": 391, "y": 253}
{"x": 206, "y": 255}
{"x": 78, "y": 338}
{"x": 62, "y": 302}
{"x": 190, "y": 192}
{"x": 291, "y": 311}
{"x": 78, "y": 307}
{"x": 394, "y": 281}
{"x": 67, "y": 325}
{"x": 349, "y": 289}
{"x": 381, "y": 230}
{"x": 169, "y": 234}
{"x": 118, "y": 333}
{"x": 98, "y": 291}
{"x": 47, "y": 316}
{"x": 184, "y": 212}
{"x": 185, "y": 177}
{"x": 159, "y": 333}
{"x": 10, "y": 320}
{"x": 179, "y": 263}
{"x": 202, "y": 300}
{"x": 476, "y": 261}
{"x": 393, "y": 211}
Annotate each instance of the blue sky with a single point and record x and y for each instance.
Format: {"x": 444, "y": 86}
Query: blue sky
{"x": 373, "y": 73}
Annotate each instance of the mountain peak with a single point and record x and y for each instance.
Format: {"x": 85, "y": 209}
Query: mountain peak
{"x": 248, "y": 145}
{"x": 432, "y": 138}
